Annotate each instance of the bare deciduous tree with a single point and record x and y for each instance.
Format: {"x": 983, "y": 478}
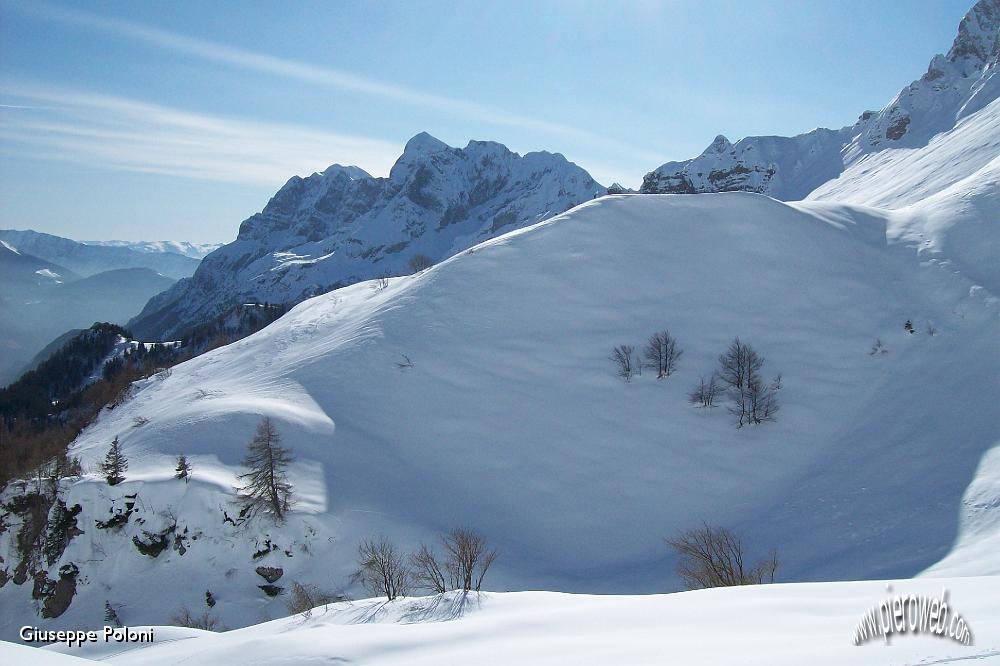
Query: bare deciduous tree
{"x": 753, "y": 400}
{"x": 705, "y": 393}
{"x": 712, "y": 556}
{"x": 419, "y": 262}
{"x": 663, "y": 352}
{"x": 427, "y": 571}
{"x": 267, "y": 488}
{"x": 382, "y": 569}
{"x": 55, "y": 470}
{"x": 469, "y": 558}
{"x": 765, "y": 400}
{"x": 184, "y": 618}
{"x": 878, "y": 348}
{"x": 622, "y": 357}
{"x": 303, "y": 598}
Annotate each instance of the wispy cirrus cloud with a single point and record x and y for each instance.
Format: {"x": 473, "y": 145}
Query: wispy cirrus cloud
{"x": 331, "y": 77}
{"x": 121, "y": 133}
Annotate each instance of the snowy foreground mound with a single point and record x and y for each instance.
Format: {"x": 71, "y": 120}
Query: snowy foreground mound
{"x": 781, "y": 624}
{"x": 511, "y": 421}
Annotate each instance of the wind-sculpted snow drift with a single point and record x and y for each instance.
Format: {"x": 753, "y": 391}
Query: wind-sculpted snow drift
{"x": 511, "y": 420}
{"x": 802, "y": 623}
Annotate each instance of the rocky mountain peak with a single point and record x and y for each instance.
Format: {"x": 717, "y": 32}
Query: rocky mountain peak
{"x": 720, "y": 145}
{"x": 954, "y": 87}
{"x": 978, "y": 40}
{"x": 342, "y": 226}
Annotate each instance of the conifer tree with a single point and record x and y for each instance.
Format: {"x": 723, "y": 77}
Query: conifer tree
{"x": 111, "y": 615}
{"x": 114, "y": 465}
{"x": 183, "y": 468}
{"x": 266, "y": 483}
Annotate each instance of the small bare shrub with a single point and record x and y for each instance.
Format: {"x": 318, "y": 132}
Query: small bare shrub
{"x": 184, "y": 618}
{"x": 420, "y": 262}
{"x": 712, "y": 556}
{"x": 427, "y": 571}
{"x": 465, "y": 563}
{"x": 624, "y": 359}
{"x": 124, "y": 395}
{"x": 663, "y": 352}
{"x": 469, "y": 558}
{"x": 752, "y": 400}
{"x": 705, "y": 393}
{"x": 382, "y": 569}
{"x": 878, "y": 348}
{"x": 304, "y": 598}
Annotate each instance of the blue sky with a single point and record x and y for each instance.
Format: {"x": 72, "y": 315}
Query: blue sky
{"x": 178, "y": 120}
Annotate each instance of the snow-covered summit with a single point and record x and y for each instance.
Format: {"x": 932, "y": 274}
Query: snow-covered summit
{"x": 423, "y": 144}
{"x": 954, "y": 87}
{"x": 341, "y": 226}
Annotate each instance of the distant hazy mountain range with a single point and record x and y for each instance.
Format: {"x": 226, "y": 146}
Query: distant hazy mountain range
{"x": 88, "y": 258}
{"x": 49, "y": 285}
{"x": 193, "y": 250}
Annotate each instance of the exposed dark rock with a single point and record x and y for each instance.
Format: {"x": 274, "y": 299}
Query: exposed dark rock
{"x": 60, "y": 595}
{"x": 897, "y": 129}
{"x": 156, "y": 542}
{"x": 270, "y": 574}
{"x": 271, "y": 590}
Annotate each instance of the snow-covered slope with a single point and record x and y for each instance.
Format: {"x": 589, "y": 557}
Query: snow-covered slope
{"x": 945, "y": 195}
{"x": 955, "y": 86}
{"x": 512, "y": 421}
{"x": 341, "y": 226}
{"x": 193, "y": 250}
{"x": 770, "y": 625}
{"x": 90, "y": 259}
